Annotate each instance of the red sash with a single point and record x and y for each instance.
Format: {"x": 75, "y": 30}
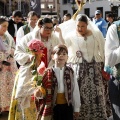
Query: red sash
{"x": 15, "y": 39}
{"x": 44, "y": 58}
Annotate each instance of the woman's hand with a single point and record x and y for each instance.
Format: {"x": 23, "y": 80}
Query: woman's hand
{"x": 40, "y": 92}
{"x": 31, "y": 58}
{"x": 57, "y": 29}
{"x": 37, "y": 93}
{"x": 76, "y": 115}
{"x": 2, "y": 56}
{"x": 12, "y": 51}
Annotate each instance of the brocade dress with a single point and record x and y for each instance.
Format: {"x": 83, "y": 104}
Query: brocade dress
{"x": 93, "y": 88}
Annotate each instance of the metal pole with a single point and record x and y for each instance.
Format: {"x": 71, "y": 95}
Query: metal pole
{"x": 40, "y": 9}
{"x": 51, "y": 8}
{"x": 4, "y": 8}
{"x": 19, "y": 5}
{"x": 10, "y": 7}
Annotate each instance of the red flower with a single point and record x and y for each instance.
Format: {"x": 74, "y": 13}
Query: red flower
{"x": 35, "y": 45}
{"x": 41, "y": 68}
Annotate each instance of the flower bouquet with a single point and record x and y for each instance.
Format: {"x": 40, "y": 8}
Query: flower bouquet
{"x": 36, "y": 47}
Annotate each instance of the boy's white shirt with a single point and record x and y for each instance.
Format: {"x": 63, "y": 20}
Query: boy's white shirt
{"x": 76, "y": 94}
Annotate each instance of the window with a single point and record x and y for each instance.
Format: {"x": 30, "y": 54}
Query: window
{"x": 101, "y": 9}
{"x": 65, "y": 12}
{"x": 50, "y": 0}
{"x": 87, "y": 11}
{"x": 50, "y": 6}
{"x": 64, "y": 1}
{"x": 42, "y": 6}
{"x": 69, "y": 1}
{"x": 58, "y": 2}
{"x": 46, "y": 0}
{"x": 115, "y": 11}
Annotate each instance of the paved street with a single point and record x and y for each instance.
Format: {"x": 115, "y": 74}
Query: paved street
{"x": 4, "y": 116}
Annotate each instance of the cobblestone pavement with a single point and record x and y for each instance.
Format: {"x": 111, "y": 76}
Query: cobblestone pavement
{"x": 4, "y": 116}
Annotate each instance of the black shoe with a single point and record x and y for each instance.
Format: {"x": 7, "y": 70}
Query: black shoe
{"x": 0, "y": 113}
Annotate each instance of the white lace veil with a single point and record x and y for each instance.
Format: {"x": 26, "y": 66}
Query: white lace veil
{"x": 69, "y": 26}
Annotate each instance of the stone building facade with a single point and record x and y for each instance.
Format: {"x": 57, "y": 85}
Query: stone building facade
{"x": 50, "y": 7}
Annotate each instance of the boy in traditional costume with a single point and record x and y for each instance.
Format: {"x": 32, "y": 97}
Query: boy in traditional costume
{"x": 62, "y": 93}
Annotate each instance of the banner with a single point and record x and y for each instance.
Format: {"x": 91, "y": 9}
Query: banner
{"x": 36, "y": 6}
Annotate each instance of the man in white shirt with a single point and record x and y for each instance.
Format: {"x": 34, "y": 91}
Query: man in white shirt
{"x": 23, "y": 30}
{"x": 31, "y": 22}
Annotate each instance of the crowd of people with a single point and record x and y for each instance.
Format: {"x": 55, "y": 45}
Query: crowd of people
{"x": 74, "y": 58}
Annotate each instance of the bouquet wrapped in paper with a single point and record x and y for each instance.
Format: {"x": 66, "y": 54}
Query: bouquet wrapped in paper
{"x": 36, "y": 47}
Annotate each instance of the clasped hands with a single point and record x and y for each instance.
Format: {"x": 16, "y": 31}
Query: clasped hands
{"x": 76, "y": 115}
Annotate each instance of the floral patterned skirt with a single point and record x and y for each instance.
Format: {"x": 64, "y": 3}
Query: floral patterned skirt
{"x": 95, "y": 104}
{"x": 7, "y": 76}
{"x": 15, "y": 112}
{"x": 6, "y": 86}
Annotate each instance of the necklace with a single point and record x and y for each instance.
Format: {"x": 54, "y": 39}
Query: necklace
{"x": 78, "y": 52}
{"x": 85, "y": 36}
{"x": 87, "y": 33}
{"x": 44, "y": 39}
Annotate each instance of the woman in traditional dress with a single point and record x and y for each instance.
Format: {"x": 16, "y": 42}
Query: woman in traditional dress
{"x": 112, "y": 66}
{"x": 24, "y": 106}
{"x": 7, "y": 66}
{"x": 86, "y": 54}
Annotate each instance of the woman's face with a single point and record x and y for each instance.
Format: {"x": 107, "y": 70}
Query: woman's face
{"x": 46, "y": 29}
{"x": 81, "y": 27}
{"x": 3, "y": 28}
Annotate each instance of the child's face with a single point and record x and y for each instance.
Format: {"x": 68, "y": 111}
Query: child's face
{"x": 60, "y": 58}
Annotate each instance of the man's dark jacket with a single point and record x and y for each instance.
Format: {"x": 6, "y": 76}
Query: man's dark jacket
{"x": 11, "y": 28}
